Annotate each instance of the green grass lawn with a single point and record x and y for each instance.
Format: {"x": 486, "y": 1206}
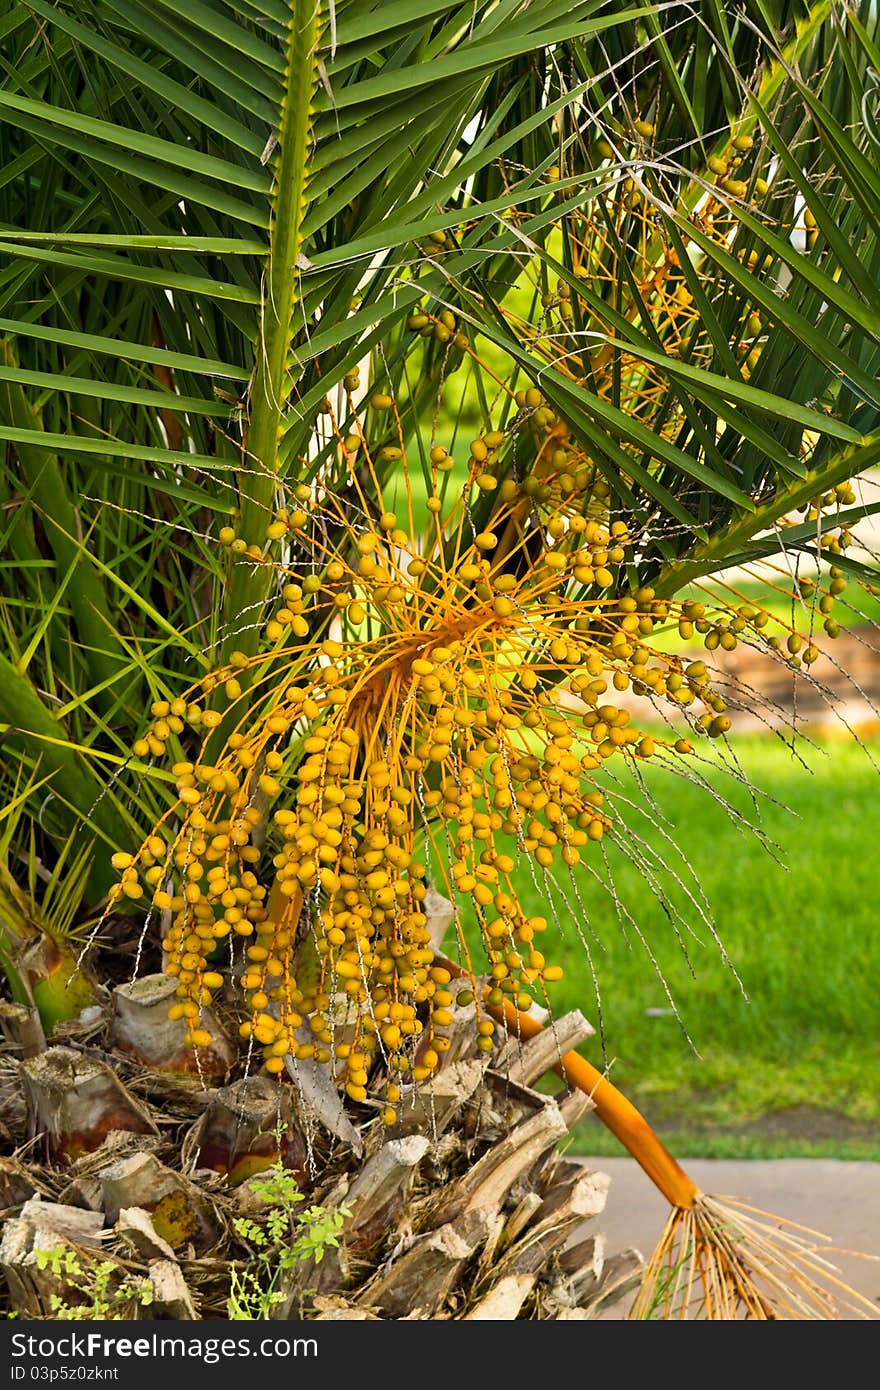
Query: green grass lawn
{"x": 794, "y": 1068}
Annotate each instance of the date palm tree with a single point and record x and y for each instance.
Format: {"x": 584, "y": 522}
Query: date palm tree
{"x": 379, "y": 385}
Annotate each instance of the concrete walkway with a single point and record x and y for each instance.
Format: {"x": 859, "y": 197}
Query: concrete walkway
{"x": 840, "y": 1199}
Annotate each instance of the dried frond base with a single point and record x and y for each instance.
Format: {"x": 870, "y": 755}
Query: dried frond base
{"x": 464, "y": 1209}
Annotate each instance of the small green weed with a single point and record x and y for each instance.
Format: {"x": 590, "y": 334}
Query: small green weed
{"x": 287, "y": 1234}
{"x": 103, "y": 1293}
